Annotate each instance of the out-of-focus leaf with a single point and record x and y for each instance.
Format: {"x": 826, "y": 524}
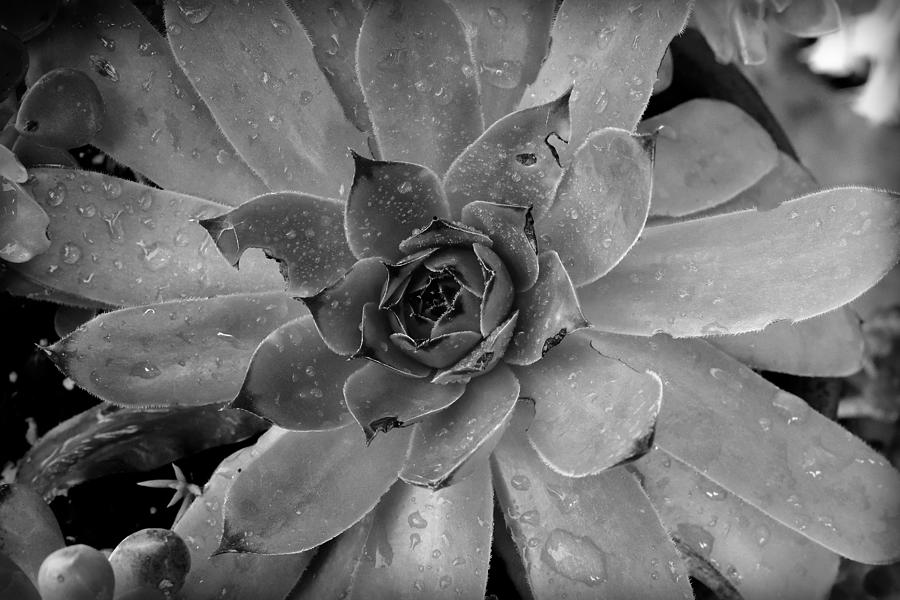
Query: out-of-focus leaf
{"x": 511, "y": 38}
{"x": 740, "y": 271}
{"x": 305, "y": 487}
{"x": 13, "y": 62}
{"x": 512, "y": 234}
{"x": 17, "y": 284}
{"x": 27, "y": 19}
{"x": 419, "y": 81}
{"x": 715, "y": 530}
{"x": 123, "y": 243}
{"x": 28, "y": 529}
{"x": 388, "y": 202}
{"x": 295, "y": 381}
{"x": 548, "y": 312}
{"x": 699, "y": 75}
{"x": 883, "y": 296}
{"x": 304, "y": 233}
{"x": 611, "y": 55}
{"x": 62, "y": 109}
{"x": 748, "y": 27}
{"x": 812, "y": 18}
{"x": 601, "y": 204}
{"x": 230, "y": 576}
{"x": 381, "y": 399}
{"x": 516, "y": 161}
{"x": 69, "y": 318}
{"x": 179, "y": 353}
{"x": 591, "y": 412}
{"x": 253, "y": 64}
{"x": 830, "y": 345}
{"x": 32, "y": 154}
{"x": 11, "y": 167}
{"x": 23, "y": 224}
{"x": 590, "y": 537}
{"x": 448, "y": 531}
{"x": 768, "y": 447}
{"x": 706, "y": 153}
{"x": 447, "y": 444}
{"x": 107, "y": 439}
{"x": 333, "y": 30}
{"x": 14, "y": 583}
{"x": 160, "y": 128}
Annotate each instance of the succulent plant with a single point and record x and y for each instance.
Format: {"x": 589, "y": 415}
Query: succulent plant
{"x": 499, "y": 281}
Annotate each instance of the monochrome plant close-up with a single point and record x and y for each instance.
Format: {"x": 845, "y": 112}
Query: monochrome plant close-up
{"x": 468, "y": 297}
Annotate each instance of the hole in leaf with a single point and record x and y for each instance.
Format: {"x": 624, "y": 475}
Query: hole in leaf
{"x": 528, "y": 159}
{"x": 31, "y": 126}
{"x": 553, "y": 140}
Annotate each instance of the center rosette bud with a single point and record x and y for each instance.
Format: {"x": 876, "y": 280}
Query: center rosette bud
{"x": 448, "y": 303}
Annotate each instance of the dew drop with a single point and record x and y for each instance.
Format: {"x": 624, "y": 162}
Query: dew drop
{"x": 574, "y": 557}
{"x": 531, "y": 517}
{"x": 696, "y": 537}
{"x": 56, "y": 195}
{"x": 71, "y": 253}
{"x": 88, "y": 211}
{"x": 280, "y": 27}
{"x": 405, "y": 187}
{"x": 792, "y": 407}
{"x": 520, "y": 482}
{"x": 305, "y": 97}
{"x": 414, "y": 540}
{"x": 195, "y": 12}
{"x": 104, "y": 67}
{"x": 762, "y": 535}
{"x": 503, "y": 74}
{"x": 144, "y": 370}
{"x": 416, "y": 520}
{"x": 155, "y": 255}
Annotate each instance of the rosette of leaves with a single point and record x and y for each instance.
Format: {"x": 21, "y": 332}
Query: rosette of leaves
{"x": 502, "y": 284}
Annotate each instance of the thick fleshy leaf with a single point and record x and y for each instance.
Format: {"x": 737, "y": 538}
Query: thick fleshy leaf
{"x": 334, "y": 30}
{"x": 419, "y": 81}
{"x": 304, "y": 488}
{"x": 106, "y": 439}
{"x": 601, "y": 204}
{"x": 788, "y": 179}
{"x": 706, "y": 153}
{"x": 331, "y": 572}
{"x": 830, "y": 345}
{"x": 179, "y": 353}
{"x": 26, "y": 21}
{"x": 376, "y": 345}
{"x": 23, "y": 224}
{"x": 511, "y": 38}
{"x": 812, "y": 18}
{"x": 295, "y": 381}
{"x": 304, "y": 233}
{"x": 338, "y": 309}
{"x": 514, "y": 162}
{"x": 13, "y": 62}
{"x": 512, "y": 232}
{"x": 448, "y": 531}
{"x": 438, "y": 352}
{"x": 756, "y": 556}
{"x": 611, "y": 55}
{"x": 253, "y": 64}
{"x": 465, "y": 432}
{"x": 122, "y": 243}
{"x": 593, "y": 537}
{"x": 162, "y": 129}
{"x": 483, "y": 357}
{"x": 28, "y": 529}
{"x": 32, "y": 154}
{"x": 11, "y": 167}
{"x": 441, "y": 233}
{"x": 591, "y": 412}
{"x": 230, "y": 576}
{"x": 498, "y": 290}
{"x": 548, "y": 312}
{"x": 381, "y": 399}
{"x": 769, "y": 447}
{"x": 17, "y": 284}
{"x": 388, "y": 202}
{"x": 740, "y": 271}
{"x": 14, "y": 583}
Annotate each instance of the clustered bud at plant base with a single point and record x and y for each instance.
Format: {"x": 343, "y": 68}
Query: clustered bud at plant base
{"x": 444, "y": 258}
